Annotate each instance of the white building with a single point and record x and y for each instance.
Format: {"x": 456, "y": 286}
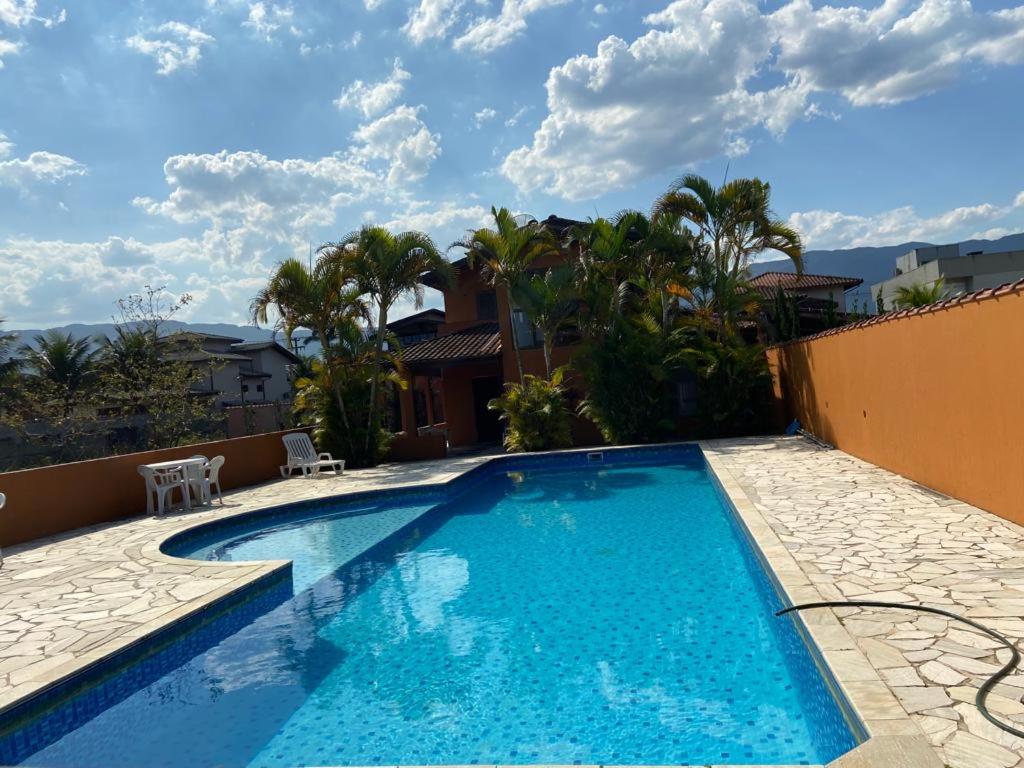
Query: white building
{"x": 974, "y": 271}
{"x": 238, "y": 373}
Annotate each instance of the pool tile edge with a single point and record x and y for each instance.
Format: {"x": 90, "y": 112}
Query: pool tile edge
{"x": 894, "y": 740}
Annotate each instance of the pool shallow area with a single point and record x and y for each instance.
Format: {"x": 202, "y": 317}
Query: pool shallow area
{"x": 538, "y": 611}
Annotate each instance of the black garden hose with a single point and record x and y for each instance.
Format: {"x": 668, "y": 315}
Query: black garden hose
{"x": 985, "y": 688}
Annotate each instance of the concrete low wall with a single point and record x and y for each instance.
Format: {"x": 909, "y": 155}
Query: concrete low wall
{"x": 406, "y": 447}
{"x": 935, "y": 395}
{"x": 49, "y": 500}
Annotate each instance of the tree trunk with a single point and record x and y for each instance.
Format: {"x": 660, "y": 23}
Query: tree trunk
{"x": 549, "y": 342}
{"x": 382, "y": 321}
{"x": 515, "y": 341}
{"x": 338, "y": 397}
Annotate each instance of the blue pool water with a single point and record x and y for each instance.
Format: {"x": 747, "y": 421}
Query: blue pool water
{"x": 602, "y": 616}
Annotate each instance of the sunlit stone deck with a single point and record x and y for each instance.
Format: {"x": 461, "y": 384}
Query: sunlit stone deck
{"x": 831, "y": 526}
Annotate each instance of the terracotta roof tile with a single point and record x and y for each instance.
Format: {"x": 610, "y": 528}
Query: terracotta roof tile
{"x": 480, "y": 341}
{"x": 790, "y": 281}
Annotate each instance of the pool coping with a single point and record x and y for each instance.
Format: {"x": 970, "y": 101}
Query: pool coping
{"x": 893, "y": 738}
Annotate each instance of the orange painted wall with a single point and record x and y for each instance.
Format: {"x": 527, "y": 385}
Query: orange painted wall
{"x": 49, "y": 500}
{"x": 936, "y": 396}
{"x": 457, "y": 391}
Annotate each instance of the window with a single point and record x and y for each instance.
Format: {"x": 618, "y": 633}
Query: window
{"x": 487, "y": 305}
{"x": 245, "y": 387}
{"x": 527, "y": 334}
{"x": 259, "y": 387}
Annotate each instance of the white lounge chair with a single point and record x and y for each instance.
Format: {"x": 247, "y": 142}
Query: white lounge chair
{"x": 162, "y": 484}
{"x": 303, "y": 456}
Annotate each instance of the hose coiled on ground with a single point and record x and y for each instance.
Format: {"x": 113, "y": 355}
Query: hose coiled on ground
{"x": 985, "y": 688}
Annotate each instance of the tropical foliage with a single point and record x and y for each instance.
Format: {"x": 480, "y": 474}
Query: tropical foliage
{"x": 919, "y": 294}
{"x": 69, "y": 399}
{"x": 535, "y": 413}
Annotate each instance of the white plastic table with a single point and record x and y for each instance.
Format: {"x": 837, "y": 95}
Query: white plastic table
{"x": 193, "y": 469}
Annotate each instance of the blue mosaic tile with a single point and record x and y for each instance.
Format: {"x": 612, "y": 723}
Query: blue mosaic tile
{"x": 538, "y": 609}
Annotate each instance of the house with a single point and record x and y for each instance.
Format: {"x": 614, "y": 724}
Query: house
{"x": 813, "y": 292}
{"x": 237, "y": 372}
{"x": 453, "y": 375}
{"x": 416, "y": 328}
{"x": 974, "y": 271}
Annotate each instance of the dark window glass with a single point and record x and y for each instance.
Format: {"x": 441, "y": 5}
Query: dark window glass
{"x": 487, "y": 306}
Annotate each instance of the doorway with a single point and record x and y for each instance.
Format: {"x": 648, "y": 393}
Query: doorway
{"x": 488, "y": 428}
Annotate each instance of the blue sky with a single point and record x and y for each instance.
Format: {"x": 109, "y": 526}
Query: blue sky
{"x": 194, "y": 144}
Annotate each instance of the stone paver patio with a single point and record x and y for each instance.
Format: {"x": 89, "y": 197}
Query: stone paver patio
{"x": 832, "y": 526}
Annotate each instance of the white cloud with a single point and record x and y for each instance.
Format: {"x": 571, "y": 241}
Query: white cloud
{"x": 264, "y": 20}
{"x": 38, "y": 167}
{"x": 402, "y": 140}
{"x": 8, "y": 48}
{"x": 600, "y": 9}
{"x": 373, "y": 5}
{"x": 485, "y": 115}
{"x": 487, "y": 34}
{"x": 832, "y": 229}
{"x": 431, "y": 20}
{"x": 373, "y": 98}
{"x": 619, "y": 114}
{"x": 21, "y": 13}
{"x": 429, "y": 217}
{"x": 173, "y": 45}
{"x": 513, "y": 121}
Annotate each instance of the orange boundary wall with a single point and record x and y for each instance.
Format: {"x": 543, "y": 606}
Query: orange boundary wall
{"x": 49, "y": 500}
{"x": 935, "y": 394}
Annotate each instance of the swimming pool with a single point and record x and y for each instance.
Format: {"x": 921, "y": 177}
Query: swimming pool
{"x": 539, "y": 610}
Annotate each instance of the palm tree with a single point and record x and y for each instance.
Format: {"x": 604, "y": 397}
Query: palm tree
{"x": 63, "y": 361}
{"x": 506, "y": 253}
{"x": 324, "y": 299}
{"x": 386, "y": 266}
{"x": 919, "y": 294}
{"x": 550, "y": 301}
{"x": 735, "y": 220}
{"x": 8, "y": 364}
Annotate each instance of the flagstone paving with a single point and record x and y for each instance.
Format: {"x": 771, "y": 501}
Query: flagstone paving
{"x": 854, "y": 530}
{"x": 70, "y": 600}
{"x": 861, "y": 533}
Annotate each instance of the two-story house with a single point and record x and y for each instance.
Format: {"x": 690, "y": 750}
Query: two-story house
{"x": 452, "y": 377}
{"x": 237, "y": 372}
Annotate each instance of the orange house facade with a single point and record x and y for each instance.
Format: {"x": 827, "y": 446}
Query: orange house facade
{"x": 453, "y": 376}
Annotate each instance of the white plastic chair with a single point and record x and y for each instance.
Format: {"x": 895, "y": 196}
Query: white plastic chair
{"x": 211, "y": 478}
{"x": 197, "y": 478}
{"x": 303, "y": 456}
{"x": 162, "y": 484}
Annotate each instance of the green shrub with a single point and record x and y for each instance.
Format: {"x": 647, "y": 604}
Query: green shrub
{"x": 535, "y": 413}
{"x": 628, "y": 384}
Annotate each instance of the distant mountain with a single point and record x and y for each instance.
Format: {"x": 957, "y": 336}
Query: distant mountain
{"x": 873, "y": 265}
{"x": 99, "y": 330}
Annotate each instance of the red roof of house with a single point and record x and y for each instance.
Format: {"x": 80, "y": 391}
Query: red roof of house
{"x": 790, "y": 281}
{"x": 480, "y": 341}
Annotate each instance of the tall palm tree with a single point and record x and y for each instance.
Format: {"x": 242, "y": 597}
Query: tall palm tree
{"x": 63, "y": 361}
{"x": 919, "y": 294}
{"x": 550, "y": 301}
{"x": 386, "y": 266}
{"x": 8, "y": 363}
{"x": 505, "y": 253}
{"x": 735, "y": 220}
{"x": 323, "y": 299}
{"x": 604, "y": 255}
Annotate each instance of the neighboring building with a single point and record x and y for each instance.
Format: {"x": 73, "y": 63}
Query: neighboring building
{"x": 416, "y": 328}
{"x": 813, "y": 292}
{"x": 974, "y": 271}
{"x": 455, "y": 375}
{"x": 238, "y": 373}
